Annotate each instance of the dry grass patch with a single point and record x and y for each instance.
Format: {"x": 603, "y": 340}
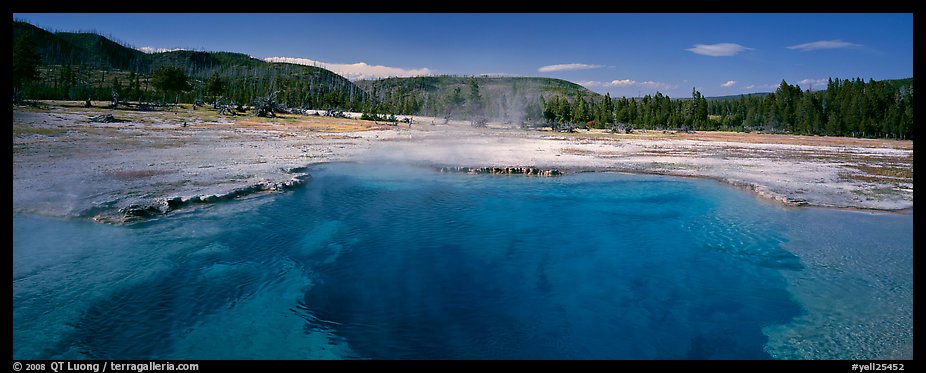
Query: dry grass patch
{"x": 870, "y": 179}
{"x": 45, "y": 131}
{"x": 592, "y": 153}
{"x": 301, "y": 123}
{"x": 893, "y": 172}
{"x": 575, "y": 151}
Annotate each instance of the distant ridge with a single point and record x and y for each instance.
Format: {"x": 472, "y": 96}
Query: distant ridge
{"x": 90, "y": 55}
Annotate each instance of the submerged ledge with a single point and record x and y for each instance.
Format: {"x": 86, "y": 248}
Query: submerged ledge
{"x": 162, "y": 206}
{"x": 764, "y": 192}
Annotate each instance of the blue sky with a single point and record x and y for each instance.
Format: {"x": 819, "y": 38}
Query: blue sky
{"x": 624, "y": 54}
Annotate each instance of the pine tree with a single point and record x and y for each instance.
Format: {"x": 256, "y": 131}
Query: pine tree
{"x": 580, "y": 111}
{"x": 549, "y": 108}
{"x": 169, "y": 79}
{"x": 563, "y": 111}
{"x": 454, "y": 101}
{"x": 475, "y": 100}
{"x": 215, "y": 88}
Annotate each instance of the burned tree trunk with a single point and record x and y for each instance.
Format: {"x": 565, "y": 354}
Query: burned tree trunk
{"x": 268, "y": 106}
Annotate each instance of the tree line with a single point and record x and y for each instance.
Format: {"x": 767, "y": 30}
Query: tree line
{"x": 855, "y": 108}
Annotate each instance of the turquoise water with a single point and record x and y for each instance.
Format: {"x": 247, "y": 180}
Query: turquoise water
{"x": 381, "y": 262}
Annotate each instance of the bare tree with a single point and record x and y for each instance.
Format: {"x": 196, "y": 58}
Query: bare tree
{"x": 268, "y": 106}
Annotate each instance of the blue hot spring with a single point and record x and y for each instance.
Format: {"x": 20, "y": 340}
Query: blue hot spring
{"x": 393, "y": 262}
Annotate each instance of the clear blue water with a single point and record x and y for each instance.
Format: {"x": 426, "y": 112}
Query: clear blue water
{"x": 393, "y": 262}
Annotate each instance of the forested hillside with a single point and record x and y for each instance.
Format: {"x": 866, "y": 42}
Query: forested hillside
{"x": 77, "y": 66}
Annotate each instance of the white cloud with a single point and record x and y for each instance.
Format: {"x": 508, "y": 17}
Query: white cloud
{"x": 718, "y": 50}
{"x": 808, "y": 83}
{"x": 613, "y": 83}
{"x": 658, "y": 85}
{"x": 762, "y": 86}
{"x": 626, "y": 83}
{"x": 356, "y": 71}
{"x": 592, "y": 83}
{"x": 728, "y": 84}
{"x": 151, "y": 50}
{"x": 824, "y": 44}
{"x": 567, "y": 67}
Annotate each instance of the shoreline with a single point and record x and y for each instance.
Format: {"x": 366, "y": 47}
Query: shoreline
{"x": 779, "y": 199}
{"x": 157, "y": 162}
